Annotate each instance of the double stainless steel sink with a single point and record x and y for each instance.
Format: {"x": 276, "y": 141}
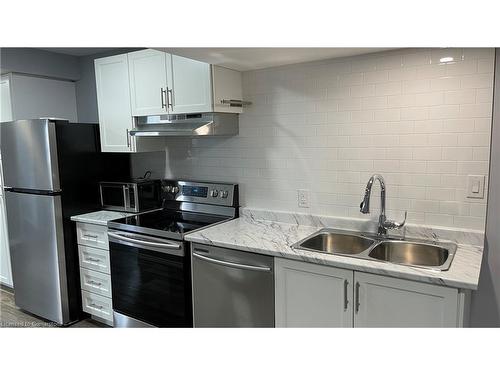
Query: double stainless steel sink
{"x": 415, "y": 253}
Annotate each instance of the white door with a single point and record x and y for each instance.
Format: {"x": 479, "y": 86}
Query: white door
{"x": 113, "y": 100}
{"x": 5, "y": 269}
{"x": 191, "y": 85}
{"x": 311, "y": 295}
{"x": 148, "y": 82}
{"x": 382, "y": 301}
{"x": 6, "y": 107}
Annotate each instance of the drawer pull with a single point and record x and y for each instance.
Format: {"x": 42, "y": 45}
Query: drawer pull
{"x": 90, "y": 259}
{"x": 90, "y": 236}
{"x": 98, "y": 307}
{"x": 91, "y": 282}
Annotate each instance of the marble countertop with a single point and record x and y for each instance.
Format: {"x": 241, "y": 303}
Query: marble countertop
{"x": 100, "y": 217}
{"x": 251, "y": 234}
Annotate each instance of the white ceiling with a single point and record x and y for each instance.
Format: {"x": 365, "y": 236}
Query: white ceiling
{"x": 243, "y": 59}
{"x": 83, "y": 51}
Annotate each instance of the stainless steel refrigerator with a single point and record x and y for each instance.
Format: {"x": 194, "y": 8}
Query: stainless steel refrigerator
{"x": 51, "y": 172}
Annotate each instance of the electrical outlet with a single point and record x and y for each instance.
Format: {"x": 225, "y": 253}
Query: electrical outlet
{"x": 303, "y": 198}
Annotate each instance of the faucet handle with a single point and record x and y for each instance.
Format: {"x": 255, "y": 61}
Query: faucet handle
{"x": 391, "y": 224}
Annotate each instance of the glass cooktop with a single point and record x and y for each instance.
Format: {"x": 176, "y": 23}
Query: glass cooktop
{"x": 166, "y": 223}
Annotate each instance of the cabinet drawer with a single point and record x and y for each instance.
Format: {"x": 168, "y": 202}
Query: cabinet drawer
{"x": 94, "y": 259}
{"x": 92, "y": 235}
{"x": 95, "y": 282}
{"x": 97, "y": 305}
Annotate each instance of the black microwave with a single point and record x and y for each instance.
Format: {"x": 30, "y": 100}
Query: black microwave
{"x": 130, "y": 196}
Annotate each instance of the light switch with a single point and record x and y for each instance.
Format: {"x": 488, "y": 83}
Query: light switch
{"x": 475, "y": 186}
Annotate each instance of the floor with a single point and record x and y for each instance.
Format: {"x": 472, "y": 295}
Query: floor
{"x": 11, "y": 316}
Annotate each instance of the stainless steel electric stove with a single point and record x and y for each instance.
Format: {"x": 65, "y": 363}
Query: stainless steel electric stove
{"x": 150, "y": 263}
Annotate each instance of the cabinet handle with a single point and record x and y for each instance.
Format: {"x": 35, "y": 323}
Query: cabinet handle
{"x": 91, "y": 282}
{"x": 90, "y": 236}
{"x": 163, "y": 96}
{"x": 357, "y": 297}
{"x": 346, "y": 301}
{"x": 170, "y": 98}
{"x": 98, "y": 307}
{"x": 128, "y": 138}
{"x": 90, "y": 259}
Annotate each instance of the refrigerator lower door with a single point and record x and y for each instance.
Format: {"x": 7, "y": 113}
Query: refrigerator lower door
{"x": 37, "y": 254}
{"x": 29, "y": 155}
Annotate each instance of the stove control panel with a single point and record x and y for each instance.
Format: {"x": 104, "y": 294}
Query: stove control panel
{"x": 218, "y": 193}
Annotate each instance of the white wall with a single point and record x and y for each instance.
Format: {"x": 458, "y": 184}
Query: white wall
{"x": 485, "y": 310}
{"x": 327, "y": 126}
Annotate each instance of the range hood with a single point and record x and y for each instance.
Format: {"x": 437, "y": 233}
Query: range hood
{"x": 186, "y": 125}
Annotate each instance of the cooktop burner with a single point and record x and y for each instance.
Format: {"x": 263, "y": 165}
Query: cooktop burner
{"x": 187, "y": 206}
{"x": 178, "y": 222}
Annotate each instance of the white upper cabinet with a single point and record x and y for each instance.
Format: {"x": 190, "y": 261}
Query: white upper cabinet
{"x": 226, "y": 89}
{"x": 382, "y": 301}
{"x": 6, "y": 107}
{"x": 115, "y": 111}
{"x": 148, "y": 82}
{"x": 28, "y": 97}
{"x": 113, "y": 101}
{"x": 191, "y": 89}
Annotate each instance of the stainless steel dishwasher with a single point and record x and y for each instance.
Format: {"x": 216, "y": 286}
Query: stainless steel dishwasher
{"x": 232, "y": 288}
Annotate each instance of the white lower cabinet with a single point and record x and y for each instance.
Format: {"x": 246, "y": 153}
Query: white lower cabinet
{"x": 312, "y": 295}
{"x": 95, "y": 272}
{"x": 98, "y": 306}
{"x": 382, "y": 301}
{"x": 5, "y": 269}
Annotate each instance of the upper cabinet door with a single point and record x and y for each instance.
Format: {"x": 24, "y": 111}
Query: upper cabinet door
{"x": 148, "y": 82}
{"x": 227, "y": 86}
{"x": 382, "y": 301}
{"x": 191, "y": 85}
{"x": 6, "y": 107}
{"x": 113, "y": 100}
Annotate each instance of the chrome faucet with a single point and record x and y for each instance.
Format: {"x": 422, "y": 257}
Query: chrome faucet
{"x": 383, "y": 223}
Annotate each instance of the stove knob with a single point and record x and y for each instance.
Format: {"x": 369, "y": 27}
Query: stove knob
{"x": 224, "y": 194}
{"x": 168, "y": 189}
{"x": 175, "y": 189}
{"x": 214, "y": 193}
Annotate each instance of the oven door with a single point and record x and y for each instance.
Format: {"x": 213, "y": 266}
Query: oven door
{"x": 150, "y": 280}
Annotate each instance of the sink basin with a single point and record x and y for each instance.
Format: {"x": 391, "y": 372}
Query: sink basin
{"x": 336, "y": 243}
{"x": 412, "y": 254}
{"x": 415, "y": 253}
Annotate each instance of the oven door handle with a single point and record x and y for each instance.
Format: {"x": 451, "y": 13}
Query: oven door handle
{"x": 231, "y": 264}
{"x": 163, "y": 245}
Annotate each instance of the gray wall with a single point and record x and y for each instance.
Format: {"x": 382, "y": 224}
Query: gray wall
{"x": 485, "y": 311}
{"x": 39, "y": 62}
{"x": 86, "y": 97}
{"x": 57, "y": 65}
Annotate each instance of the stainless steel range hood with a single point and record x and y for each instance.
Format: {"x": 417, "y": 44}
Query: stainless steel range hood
{"x": 186, "y": 125}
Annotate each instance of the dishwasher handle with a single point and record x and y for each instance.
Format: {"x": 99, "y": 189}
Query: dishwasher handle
{"x": 231, "y": 264}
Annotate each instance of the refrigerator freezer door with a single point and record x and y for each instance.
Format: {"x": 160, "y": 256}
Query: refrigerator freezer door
{"x": 37, "y": 253}
{"x": 29, "y": 155}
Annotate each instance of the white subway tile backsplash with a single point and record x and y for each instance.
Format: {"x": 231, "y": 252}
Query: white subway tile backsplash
{"x": 460, "y": 97}
{"x": 328, "y": 126}
{"x": 416, "y": 86}
{"x": 376, "y": 77}
{"x": 477, "y": 81}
